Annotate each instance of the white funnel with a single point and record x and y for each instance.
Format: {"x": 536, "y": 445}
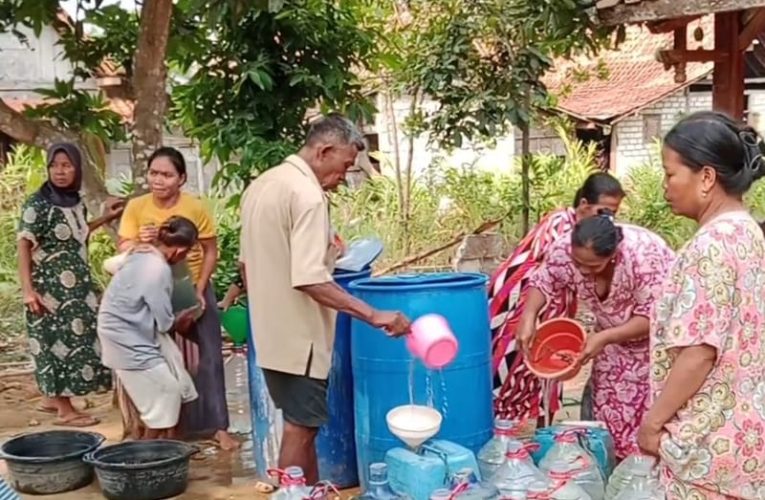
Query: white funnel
{"x": 414, "y": 424}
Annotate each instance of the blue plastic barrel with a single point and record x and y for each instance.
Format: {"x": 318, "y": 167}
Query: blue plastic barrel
{"x": 267, "y": 421}
{"x": 335, "y": 444}
{"x": 381, "y": 366}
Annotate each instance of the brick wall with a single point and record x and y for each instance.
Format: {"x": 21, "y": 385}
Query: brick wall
{"x": 634, "y": 146}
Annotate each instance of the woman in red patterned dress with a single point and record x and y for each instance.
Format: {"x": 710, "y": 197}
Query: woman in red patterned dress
{"x": 518, "y": 394}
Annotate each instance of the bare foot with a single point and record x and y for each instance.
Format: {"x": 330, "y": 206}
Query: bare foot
{"x": 226, "y": 442}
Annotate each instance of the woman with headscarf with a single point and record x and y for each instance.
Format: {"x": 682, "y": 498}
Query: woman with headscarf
{"x": 59, "y": 293}
{"x": 518, "y": 393}
{"x": 707, "y": 417}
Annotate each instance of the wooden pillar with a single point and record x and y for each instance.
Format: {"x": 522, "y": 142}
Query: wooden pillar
{"x": 728, "y": 81}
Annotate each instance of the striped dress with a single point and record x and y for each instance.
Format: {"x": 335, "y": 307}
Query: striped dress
{"x": 518, "y": 394}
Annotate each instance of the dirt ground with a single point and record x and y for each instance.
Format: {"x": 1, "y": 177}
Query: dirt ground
{"x": 215, "y": 475}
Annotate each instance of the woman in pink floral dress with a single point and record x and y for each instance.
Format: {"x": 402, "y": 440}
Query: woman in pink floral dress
{"x": 616, "y": 271}
{"x": 518, "y": 393}
{"x": 707, "y": 417}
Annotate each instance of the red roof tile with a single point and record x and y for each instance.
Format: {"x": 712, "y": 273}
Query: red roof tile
{"x": 635, "y": 78}
{"x": 615, "y": 12}
{"x": 122, "y": 107}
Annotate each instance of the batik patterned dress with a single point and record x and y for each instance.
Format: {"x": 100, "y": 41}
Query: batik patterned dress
{"x": 620, "y": 372}
{"x": 518, "y": 393}
{"x": 63, "y": 340}
{"x": 714, "y": 447}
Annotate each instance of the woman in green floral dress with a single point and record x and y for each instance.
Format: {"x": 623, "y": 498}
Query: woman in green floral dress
{"x": 59, "y": 293}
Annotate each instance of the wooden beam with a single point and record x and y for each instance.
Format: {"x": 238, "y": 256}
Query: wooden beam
{"x": 658, "y": 10}
{"x": 728, "y": 81}
{"x": 681, "y": 43}
{"x": 675, "y": 56}
{"x": 670, "y": 24}
{"x": 754, "y": 27}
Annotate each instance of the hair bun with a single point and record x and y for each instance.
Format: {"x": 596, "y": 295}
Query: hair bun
{"x": 606, "y": 213}
{"x": 753, "y": 152}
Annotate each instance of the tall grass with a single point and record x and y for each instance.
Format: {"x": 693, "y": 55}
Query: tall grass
{"x": 447, "y": 201}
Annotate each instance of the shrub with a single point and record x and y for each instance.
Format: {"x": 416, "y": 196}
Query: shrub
{"x": 23, "y": 174}
{"x": 645, "y": 205}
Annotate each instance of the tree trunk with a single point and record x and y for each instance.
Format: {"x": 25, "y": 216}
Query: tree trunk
{"x": 149, "y": 79}
{"x": 43, "y": 135}
{"x": 407, "y": 208}
{"x": 525, "y": 191}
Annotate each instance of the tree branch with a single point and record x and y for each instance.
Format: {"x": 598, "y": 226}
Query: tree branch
{"x": 43, "y": 135}
{"x": 31, "y": 132}
{"x": 458, "y": 237}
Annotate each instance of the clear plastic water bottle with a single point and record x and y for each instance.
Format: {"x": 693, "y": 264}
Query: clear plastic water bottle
{"x": 291, "y": 484}
{"x": 465, "y": 486}
{"x": 517, "y": 473}
{"x": 641, "y": 485}
{"x": 625, "y": 472}
{"x": 565, "y": 487}
{"x": 538, "y": 490}
{"x": 379, "y": 487}
{"x": 441, "y": 494}
{"x": 492, "y": 455}
{"x": 238, "y": 392}
{"x": 567, "y": 450}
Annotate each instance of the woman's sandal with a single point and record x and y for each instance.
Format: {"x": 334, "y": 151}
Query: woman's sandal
{"x": 46, "y": 409}
{"x": 76, "y": 420}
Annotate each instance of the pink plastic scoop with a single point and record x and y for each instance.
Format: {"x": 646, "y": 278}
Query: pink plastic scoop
{"x": 433, "y": 341}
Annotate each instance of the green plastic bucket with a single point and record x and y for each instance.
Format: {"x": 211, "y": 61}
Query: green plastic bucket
{"x": 234, "y": 321}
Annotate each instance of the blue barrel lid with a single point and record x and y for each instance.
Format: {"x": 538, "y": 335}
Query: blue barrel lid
{"x": 422, "y": 281}
{"x": 342, "y": 274}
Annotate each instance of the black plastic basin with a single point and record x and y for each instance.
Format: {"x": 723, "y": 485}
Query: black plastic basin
{"x": 142, "y": 470}
{"x": 45, "y": 463}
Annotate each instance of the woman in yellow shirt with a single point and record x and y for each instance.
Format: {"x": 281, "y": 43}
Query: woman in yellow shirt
{"x": 143, "y": 215}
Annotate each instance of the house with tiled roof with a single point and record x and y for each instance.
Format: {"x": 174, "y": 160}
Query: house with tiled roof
{"x": 638, "y": 98}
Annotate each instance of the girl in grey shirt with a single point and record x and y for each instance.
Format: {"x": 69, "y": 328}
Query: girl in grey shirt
{"x": 133, "y": 321}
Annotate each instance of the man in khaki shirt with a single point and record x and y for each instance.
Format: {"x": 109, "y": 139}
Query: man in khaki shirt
{"x": 288, "y": 257}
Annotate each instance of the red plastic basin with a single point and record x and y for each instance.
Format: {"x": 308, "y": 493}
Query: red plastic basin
{"x": 556, "y": 346}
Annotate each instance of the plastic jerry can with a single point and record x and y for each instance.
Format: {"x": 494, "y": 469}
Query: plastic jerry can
{"x": 419, "y": 474}
{"x": 457, "y": 457}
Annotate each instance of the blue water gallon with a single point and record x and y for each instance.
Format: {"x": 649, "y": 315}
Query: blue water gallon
{"x": 594, "y": 439}
{"x": 267, "y": 423}
{"x": 383, "y": 367}
{"x": 336, "y": 443}
{"x": 432, "y": 466}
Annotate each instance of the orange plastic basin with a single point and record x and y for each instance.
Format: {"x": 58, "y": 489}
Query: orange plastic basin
{"x": 557, "y": 345}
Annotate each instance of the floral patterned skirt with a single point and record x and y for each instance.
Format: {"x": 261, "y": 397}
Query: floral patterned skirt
{"x": 620, "y": 391}
{"x": 679, "y": 490}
